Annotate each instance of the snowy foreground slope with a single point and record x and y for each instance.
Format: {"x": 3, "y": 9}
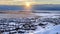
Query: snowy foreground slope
{"x": 50, "y": 17}
{"x": 46, "y": 23}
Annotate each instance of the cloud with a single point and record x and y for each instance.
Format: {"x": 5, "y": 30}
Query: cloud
{"x": 45, "y": 0}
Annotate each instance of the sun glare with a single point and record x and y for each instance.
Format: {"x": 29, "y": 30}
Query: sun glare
{"x": 27, "y": 4}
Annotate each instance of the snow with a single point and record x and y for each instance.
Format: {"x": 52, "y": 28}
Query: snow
{"x": 49, "y": 28}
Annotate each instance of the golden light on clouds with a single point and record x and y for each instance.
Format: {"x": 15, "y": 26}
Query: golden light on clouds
{"x": 22, "y": 2}
{"x": 15, "y": 2}
{"x": 27, "y": 4}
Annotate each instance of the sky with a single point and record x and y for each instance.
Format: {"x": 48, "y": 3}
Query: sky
{"x": 20, "y": 2}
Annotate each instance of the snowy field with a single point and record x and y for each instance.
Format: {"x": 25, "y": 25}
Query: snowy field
{"x": 46, "y": 23}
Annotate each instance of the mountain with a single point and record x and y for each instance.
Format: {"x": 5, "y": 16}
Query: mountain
{"x": 34, "y": 7}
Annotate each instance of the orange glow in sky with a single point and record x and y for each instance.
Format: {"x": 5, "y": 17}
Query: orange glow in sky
{"x": 27, "y": 4}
